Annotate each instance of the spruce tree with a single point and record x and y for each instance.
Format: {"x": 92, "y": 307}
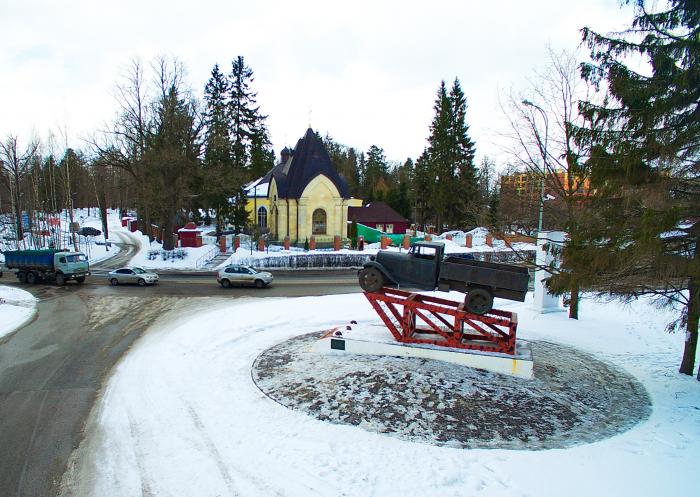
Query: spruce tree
{"x": 422, "y": 185}
{"x": 465, "y": 190}
{"x": 451, "y": 161}
{"x": 250, "y": 144}
{"x": 645, "y": 163}
{"x": 376, "y": 169}
{"x": 439, "y": 165}
{"x": 220, "y": 179}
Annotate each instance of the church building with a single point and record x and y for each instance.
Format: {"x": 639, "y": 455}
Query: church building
{"x": 302, "y": 196}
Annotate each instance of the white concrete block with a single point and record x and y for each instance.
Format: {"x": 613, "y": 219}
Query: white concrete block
{"x": 351, "y": 342}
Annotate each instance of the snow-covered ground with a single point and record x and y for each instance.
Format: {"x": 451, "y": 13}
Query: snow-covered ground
{"x": 149, "y": 255}
{"x": 93, "y": 246}
{"x": 182, "y": 416}
{"x": 16, "y": 308}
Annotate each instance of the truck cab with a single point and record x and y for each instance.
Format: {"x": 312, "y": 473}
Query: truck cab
{"x": 419, "y": 267}
{"x": 71, "y": 263}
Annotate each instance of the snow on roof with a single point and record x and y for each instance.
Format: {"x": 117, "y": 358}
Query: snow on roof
{"x": 257, "y": 188}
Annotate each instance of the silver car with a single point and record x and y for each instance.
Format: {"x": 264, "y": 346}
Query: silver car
{"x": 243, "y": 275}
{"x": 136, "y": 275}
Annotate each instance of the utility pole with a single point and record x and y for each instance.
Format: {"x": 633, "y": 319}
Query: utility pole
{"x": 544, "y": 158}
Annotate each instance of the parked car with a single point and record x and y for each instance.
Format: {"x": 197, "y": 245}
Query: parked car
{"x": 134, "y": 274}
{"x": 88, "y": 231}
{"x": 243, "y": 275}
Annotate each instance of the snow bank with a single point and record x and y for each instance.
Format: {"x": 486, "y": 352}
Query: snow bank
{"x": 181, "y": 416}
{"x": 17, "y": 307}
{"x": 150, "y": 255}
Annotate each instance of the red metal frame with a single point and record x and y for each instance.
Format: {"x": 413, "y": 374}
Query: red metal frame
{"x": 415, "y": 318}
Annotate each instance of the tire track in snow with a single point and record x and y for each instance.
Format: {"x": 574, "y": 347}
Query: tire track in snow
{"x": 211, "y": 447}
{"x": 146, "y": 490}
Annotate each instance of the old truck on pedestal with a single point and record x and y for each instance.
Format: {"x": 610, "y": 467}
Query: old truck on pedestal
{"x": 33, "y": 266}
{"x": 425, "y": 266}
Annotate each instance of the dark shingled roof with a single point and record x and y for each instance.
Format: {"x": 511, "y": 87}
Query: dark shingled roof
{"x": 375, "y": 212}
{"x": 308, "y": 160}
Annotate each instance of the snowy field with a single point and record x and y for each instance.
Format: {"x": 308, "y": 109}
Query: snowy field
{"x": 16, "y": 308}
{"x": 182, "y": 416}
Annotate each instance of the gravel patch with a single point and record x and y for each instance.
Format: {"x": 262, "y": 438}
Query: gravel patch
{"x": 574, "y": 398}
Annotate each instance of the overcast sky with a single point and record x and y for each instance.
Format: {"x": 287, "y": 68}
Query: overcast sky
{"x": 364, "y": 71}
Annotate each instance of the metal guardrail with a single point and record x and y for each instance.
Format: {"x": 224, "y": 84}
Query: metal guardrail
{"x": 206, "y": 257}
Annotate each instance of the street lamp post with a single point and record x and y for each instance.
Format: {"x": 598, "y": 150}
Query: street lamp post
{"x": 544, "y": 159}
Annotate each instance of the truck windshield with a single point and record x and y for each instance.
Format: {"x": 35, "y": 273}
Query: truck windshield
{"x": 75, "y": 258}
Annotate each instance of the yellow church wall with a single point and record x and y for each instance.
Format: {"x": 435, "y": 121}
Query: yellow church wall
{"x": 253, "y": 204}
{"x": 320, "y": 193}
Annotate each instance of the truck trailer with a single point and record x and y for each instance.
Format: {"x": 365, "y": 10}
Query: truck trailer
{"x": 51, "y": 265}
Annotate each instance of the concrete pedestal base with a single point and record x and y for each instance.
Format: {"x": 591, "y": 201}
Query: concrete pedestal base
{"x": 372, "y": 340}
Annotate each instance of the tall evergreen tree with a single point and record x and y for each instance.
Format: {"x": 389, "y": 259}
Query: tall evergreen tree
{"x": 376, "y": 172}
{"x": 220, "y": 179}
{"x": 451, "y": 160}
{"x": 645, "y": 164}
{"x": 466, "y": 191}
{"x": 250, "y": 144}
{"x": 422, "y": 187}
{"x": 172, "y": 155}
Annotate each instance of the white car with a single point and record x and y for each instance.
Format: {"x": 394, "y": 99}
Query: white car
{"x": 132, "y": 275}
{"x": 243, "y": 275}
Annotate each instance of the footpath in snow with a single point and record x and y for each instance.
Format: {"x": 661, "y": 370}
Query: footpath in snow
{"x": 181, "y": 415}
{"x": 17, "y": 307}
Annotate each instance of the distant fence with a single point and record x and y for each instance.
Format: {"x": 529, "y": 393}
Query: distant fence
{"x": 307, "y": 261}
{"x": 325, "y": 261}
{"x": 506, "y": 256}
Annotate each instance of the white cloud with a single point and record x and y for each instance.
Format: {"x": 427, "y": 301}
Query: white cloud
{"x": 367, "y": 70}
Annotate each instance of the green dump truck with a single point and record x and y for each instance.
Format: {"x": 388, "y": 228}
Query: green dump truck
{"x": 34, "y": 266}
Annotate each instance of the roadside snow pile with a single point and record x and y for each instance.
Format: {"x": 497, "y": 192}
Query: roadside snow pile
{"x": 16, "y": 308}
{"x": 181, "y": 415}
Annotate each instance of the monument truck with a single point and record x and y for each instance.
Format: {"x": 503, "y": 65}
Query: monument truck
{"x": 33, "y": 266}
{"x": 425, "y": 266}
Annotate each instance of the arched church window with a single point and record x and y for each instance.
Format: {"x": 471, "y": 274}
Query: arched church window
{"x": 318, "y": 220}
{"x": 262, "y": 217}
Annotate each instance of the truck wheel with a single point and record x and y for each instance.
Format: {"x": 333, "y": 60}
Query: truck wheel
{"x": 31, "y": 277}
{"x": 60, "y": 279}
{"x": 371, "y": 279}
{"x": 22, "y": 277}
{"x": 81, "y": 279}
{"x": 478, "y": 301}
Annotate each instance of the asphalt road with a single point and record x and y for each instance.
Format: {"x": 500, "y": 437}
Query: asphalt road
{"x": 52, "y": 370}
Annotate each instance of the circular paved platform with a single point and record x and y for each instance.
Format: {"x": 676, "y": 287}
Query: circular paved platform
{"x": 573, "y": 399}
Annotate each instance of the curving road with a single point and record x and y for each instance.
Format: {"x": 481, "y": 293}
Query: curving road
{"x": 52, "y": 370}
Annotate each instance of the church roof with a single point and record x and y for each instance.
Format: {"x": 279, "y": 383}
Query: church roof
{"x": 309, "y": 159}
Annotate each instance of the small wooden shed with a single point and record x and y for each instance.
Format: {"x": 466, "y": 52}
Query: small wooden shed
{"x": 189, "y": 236}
